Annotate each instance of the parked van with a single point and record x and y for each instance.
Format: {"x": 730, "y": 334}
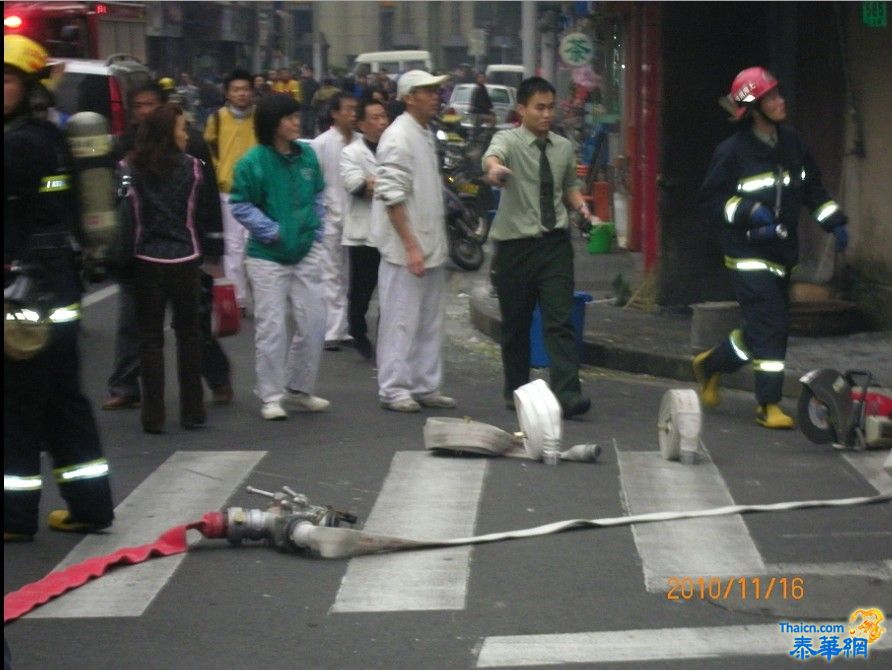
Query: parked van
{"x": 506, "y": 75}
{"x": 395, "y": 62}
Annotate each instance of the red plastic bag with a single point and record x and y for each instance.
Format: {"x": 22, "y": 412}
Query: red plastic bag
{"x": 225, "y": 318}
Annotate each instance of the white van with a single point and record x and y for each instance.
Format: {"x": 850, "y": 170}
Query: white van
{"x": 395, "y": 62}
{"x": 506, "y": 75}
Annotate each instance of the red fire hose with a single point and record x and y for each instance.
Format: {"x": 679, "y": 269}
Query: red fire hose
{"x": 171, "y": 542}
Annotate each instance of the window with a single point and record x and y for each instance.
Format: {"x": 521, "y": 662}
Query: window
{"x": 499, "y": 96}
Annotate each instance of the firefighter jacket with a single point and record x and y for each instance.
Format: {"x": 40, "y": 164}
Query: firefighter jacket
{"x": 746, "y": 172}
{"x": 41, "y": 210}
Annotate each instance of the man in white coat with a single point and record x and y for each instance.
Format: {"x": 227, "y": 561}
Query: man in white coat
{"x": 408, "y": 228}
{"x": 358, "y": 164}
{"x": 328, "y": 147}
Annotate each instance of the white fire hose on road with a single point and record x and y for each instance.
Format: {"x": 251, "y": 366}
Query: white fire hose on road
{"x": 539, "y": 439}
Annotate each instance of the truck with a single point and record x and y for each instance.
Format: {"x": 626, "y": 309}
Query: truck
{"x": 94, "y": 30}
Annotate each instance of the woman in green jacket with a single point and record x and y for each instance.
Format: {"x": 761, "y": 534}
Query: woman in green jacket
{"x": 274, "y": 196}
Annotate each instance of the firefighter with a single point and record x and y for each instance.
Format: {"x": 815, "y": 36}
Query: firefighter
{"x": 43, "y": 407}
{"x": 757, "y": 182}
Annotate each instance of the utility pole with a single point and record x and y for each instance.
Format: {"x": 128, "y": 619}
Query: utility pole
{"x": 528, "y": 36}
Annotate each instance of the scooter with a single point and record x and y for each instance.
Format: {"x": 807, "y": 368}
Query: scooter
{"x": 467, "y": 199}
{"x": 846, "y": 410}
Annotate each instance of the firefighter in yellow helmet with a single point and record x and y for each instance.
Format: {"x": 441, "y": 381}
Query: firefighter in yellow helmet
{"x": 43, "y": 406}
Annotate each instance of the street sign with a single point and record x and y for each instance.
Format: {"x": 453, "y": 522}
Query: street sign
{"x": 874, "y": 14}
{"x": 576, "y": 49}
{"x": 477, "y": 42}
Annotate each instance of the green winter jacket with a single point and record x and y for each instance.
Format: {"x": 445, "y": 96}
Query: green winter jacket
{"x": 284, "y": 189}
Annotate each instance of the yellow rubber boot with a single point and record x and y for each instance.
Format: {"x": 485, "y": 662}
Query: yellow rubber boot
{"x": 772, "y": 416}
{"x": 709, "y": 386}
{"x": 60, "y": 520}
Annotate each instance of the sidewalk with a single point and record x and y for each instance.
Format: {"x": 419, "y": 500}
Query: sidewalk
{"x": 659, "y": 343}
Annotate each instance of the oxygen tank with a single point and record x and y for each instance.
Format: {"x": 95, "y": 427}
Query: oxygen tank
{"x": 91, "y": 146}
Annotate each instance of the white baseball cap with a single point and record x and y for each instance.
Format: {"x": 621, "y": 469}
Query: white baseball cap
{"x": 417, "y": 79}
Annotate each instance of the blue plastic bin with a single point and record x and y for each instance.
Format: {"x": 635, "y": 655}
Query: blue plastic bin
{"x": 538, "y": 356}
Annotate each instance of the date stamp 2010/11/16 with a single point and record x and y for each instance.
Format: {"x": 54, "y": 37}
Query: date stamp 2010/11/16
{"x": 745, "y": 588}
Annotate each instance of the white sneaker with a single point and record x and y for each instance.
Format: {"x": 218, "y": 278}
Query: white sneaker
{"x": 272, "y": 411}
{"x": 437, "y": 399}
{"x": 404, "y": 405}
{"x": 305, "y": 401}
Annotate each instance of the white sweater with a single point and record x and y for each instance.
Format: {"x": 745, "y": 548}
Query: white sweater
{"x": 328, "y": 147}
{"x": 408, "y": 172}
{"x": 357, "y": 164}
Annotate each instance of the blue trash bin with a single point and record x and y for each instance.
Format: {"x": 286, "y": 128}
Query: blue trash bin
{"x": 538, "y": 355}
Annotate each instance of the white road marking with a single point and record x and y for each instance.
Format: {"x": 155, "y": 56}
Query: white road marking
{"x": 869, "y": 465}
{"x": 422, "y": 497}
{"x": 709, "y": 547}
{"x": 97, "y": 296}
{"x": 184, "y": 487}
{"x": 645, "y": 645}
{"x": 876, "y": 569}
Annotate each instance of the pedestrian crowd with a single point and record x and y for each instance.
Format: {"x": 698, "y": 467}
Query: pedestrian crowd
{"x": 308, "y": 197}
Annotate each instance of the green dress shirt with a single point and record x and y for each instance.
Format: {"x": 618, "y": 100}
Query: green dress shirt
{"x": 519, "y": 213}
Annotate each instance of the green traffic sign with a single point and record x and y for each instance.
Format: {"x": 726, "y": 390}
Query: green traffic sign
{"x": 874, "y": 14}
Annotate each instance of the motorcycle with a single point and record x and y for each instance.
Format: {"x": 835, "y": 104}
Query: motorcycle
{"x": 468, "y": 200}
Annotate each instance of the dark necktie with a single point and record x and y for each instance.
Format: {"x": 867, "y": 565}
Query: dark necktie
{"x": 546, "y": 188}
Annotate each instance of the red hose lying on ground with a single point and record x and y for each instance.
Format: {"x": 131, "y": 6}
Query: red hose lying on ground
{"x": 18, "y": 603}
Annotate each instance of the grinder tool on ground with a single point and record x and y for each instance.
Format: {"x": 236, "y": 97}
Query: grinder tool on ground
{"x": 848, "y": 410}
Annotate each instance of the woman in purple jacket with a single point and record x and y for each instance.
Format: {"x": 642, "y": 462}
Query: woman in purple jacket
{"x": 166, "y": 185}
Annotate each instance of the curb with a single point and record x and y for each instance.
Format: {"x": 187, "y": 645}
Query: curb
{"x": 601, "y": 351}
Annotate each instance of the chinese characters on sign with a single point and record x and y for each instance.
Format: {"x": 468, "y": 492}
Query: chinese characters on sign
{"x": 576, "y": 49}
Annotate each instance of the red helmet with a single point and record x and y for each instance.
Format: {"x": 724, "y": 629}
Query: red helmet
{"x": 749, "y": 86}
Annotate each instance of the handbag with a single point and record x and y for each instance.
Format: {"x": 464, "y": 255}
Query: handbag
{"x": 225, "y": 316}
{"x": 120, "y": 259}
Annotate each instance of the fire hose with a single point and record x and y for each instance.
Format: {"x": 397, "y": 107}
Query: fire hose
{"x": 291, "y": 523}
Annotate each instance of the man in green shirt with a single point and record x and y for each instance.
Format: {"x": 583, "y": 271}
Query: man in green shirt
{"x": 536, "y": 170}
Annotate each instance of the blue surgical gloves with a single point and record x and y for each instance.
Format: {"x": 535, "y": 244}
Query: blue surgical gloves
{"x": 842, "y": 237}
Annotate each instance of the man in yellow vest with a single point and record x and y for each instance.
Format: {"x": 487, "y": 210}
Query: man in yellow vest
{"x": 286, "y": 84}
{"x": 230, "y": 133}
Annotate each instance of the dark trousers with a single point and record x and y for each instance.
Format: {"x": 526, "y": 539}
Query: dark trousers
{"x": 157, "y": 285}
{"x": 529, "y": 270}
{"x": 45, "y": 410}
{"x": 124, "y": 379}
{"x": 364, "y": 262}
{"x": 764, "y": 305}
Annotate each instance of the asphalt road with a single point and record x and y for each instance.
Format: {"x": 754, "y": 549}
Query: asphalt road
{"x": 589, "y": 598}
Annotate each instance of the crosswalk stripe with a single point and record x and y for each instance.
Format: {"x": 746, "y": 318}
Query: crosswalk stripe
{"x": 641, "y": 645}
{"x": 869, "y": 465}
{"x": 708, "y": 547}
{"x": 422, "y": 497}
{"x": 184, "y": 487}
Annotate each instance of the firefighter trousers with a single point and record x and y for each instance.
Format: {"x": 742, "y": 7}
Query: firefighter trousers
{"x": 45, "y": 410}
{"x": 762, "y": 341}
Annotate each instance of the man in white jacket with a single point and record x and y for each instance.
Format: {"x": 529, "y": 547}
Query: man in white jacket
{"x": 358, "y": 164}
{"x": 328, "y": 147}
{"x": 408, "y": 228}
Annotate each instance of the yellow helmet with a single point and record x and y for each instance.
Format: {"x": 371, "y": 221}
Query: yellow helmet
{"x": 25, "y": 54}
{"x": 166, "y": 84}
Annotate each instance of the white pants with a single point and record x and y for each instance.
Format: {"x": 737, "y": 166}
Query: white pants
{"x": 410, "y": 332}
{"x": 334, "y": 281}
{"x": 275, "y": 287}
{"x": 235, "y": 237}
